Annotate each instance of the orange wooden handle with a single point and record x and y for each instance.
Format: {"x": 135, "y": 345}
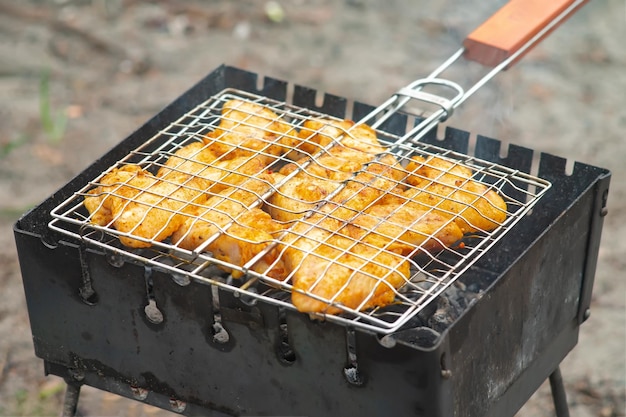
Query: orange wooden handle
{"x": 511, "y": 27}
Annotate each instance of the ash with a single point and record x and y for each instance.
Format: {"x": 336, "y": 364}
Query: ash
{"x": 442, "y": 312}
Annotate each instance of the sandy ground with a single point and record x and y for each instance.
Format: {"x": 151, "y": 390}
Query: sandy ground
{"x": 110, "y": 65}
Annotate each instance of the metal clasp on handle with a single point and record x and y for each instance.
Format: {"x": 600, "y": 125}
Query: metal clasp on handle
{"x": 415, "y": 91}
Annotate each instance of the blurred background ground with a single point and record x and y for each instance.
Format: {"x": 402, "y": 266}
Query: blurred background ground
{"x": 77, "y": 76}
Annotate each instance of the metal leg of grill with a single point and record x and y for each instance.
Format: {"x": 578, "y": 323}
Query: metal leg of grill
{"x": 558, "y": 393}
{"x": 70, "y": 405}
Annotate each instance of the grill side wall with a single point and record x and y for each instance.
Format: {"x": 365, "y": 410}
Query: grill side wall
{"x": 526, "y": 318}
{"x": 113, "y": 346}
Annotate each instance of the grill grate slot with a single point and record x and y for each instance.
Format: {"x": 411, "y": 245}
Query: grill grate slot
{"x": 210, "y": 198}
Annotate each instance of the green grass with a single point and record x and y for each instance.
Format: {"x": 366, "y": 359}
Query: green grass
{"x": 34, "y": 403}
{"x": 7, "y": 148}
{"x": 53, "y": 123}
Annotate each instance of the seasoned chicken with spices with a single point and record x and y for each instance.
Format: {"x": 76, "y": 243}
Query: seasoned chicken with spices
{"x": 229, "y": 229}
{"x": 319, "y": 133}
{"x": 448, "y": 189}
{"x": 152, "y": 207}
{"x": 247, "y": 129}
{"x": 144, "y": 205}
{"x": 341, "y": 223}
{"x": 297, "y": 196}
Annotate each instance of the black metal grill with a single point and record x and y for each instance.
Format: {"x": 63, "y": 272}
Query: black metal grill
{"x": 113, "y": 321}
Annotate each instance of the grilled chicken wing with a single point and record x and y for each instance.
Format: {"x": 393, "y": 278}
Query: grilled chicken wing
{"x": 318, "y": 133}
{"x": 365, "y": 188}
{"x": 356, "y": 185}
{"x": 448, "y": 188}
{"x": 403, "y": 229}
{"x": 191, "y": 159}
{"x": 236, "y": 233}
{"x": 356, "y": 167}
{"x": 98, "y": 202}
{"x": 153, "y": 207}
{"x": 220, "y": 210}
{"x": 143, "y": 205}
{"x": 338, "y": 269}
{"x": 252, "y": 233}
{"x": 340, "y": 161}
{"x": 248, "y": 128}
{"x": 297, "y": 196}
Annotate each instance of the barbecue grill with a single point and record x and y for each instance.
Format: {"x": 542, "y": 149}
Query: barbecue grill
{"x": 475, "y": 329}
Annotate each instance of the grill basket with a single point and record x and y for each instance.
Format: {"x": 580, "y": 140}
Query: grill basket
{"x": 430, "y": 273}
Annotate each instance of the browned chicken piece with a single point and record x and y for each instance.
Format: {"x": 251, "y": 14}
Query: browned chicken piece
{"x": 362, "y": 264}
{"x": 297, "y": 196}
{"x": 354, "y": 146}
{"x": 318, "y": 133}
{"x": 158, "y": 211}
{"x": 448, "y": 188}
{"x": 213, "y": 171}
{"x": 153, "y": 208}
{"x": 143, "y": 205}
{"x": 339, "y": 270}
{"x": 339, "y": 163}
{"x": 98, "y": 203}
{"x": 219, "y": 210}
{"x": 403, "y": 229}
{"x": 236, "y": 233}
{"x": 190, "y": 159}
{"x": 247, "y": 128}
{"x": 325, "y": 168}
{"x": 365, "y": 188}
{"x": 356, "y": 159}
{"x": 357, "y": 186}
{"x": 329, "y": 167}
{"x": 250, "y": 235}
{"x": 227, "y": 173}
{"x": 352, "y": 150}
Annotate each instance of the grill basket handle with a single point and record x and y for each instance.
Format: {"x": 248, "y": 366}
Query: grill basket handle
{"x": 514, "y": 29}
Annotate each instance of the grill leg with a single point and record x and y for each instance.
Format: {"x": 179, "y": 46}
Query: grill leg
{"x": 558, "y": 393}
{"x": 70, "y": 405}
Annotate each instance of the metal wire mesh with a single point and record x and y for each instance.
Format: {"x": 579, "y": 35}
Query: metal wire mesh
{"x": 300, "y": 209}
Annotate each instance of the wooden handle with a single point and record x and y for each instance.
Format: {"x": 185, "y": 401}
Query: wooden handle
{"x": 512, "y": 27}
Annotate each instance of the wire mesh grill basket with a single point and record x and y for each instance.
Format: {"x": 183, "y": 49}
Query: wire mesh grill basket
{"x": 300, "y": 209}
